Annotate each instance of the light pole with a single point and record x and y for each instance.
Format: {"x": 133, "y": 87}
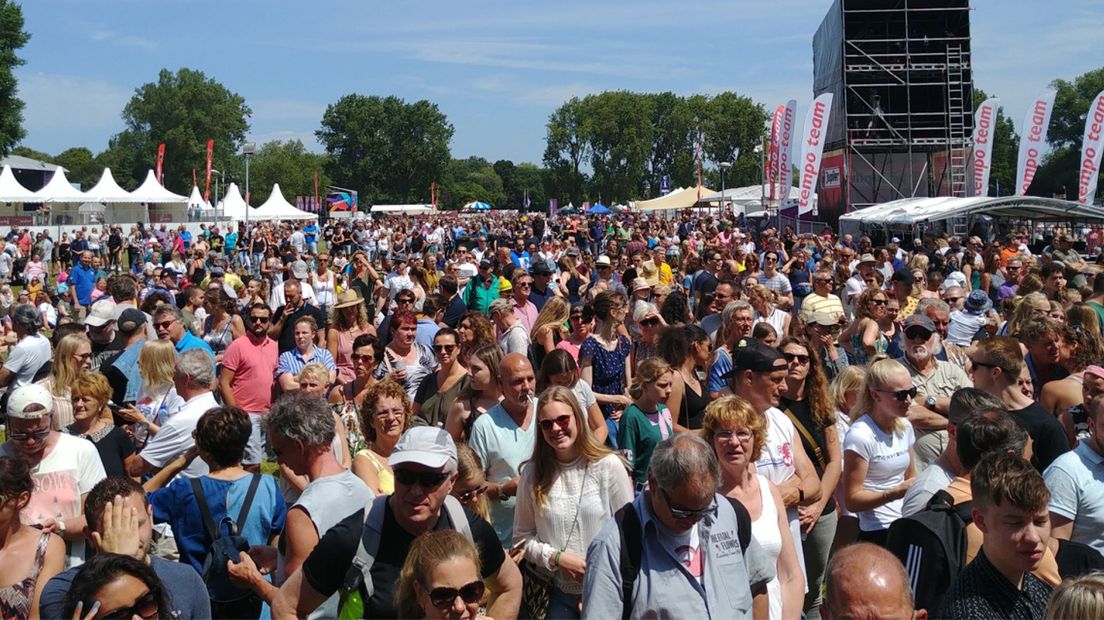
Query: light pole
{"x": 247, "y": 150}
{"x": 218, "y": 176}
{"x": 725, "y": 165}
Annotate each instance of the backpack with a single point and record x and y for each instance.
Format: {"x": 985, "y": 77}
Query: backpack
{"x": 223, "y": 548}
{"x": 932, "y": 546}
{"x": 357, "y": 588}
{"x": 631, "y": 536}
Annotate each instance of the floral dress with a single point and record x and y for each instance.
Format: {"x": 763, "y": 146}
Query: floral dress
{"x": 608, "y": 368}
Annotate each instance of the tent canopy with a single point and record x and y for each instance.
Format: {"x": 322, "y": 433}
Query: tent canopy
{"x": 477, "y": 206}
{"x": 681, "y": 198}
{"x": 233, "y": 205}
{"x": 107, "y": 191}
{"x": 278, "y": 208}
{"x": 405, "y": 209}
{"x": 59, "y": 190}
{"x": 196, "y": 201}
{"x": 599, "y": 209}
{"x": 12, "y": 190}
{"x": 913, "y": 211}
{"x": 152, "y": 191}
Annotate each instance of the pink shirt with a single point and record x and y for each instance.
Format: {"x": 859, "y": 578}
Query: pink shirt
{"x": 526, "y": 314}
{"x": 253, "y": 366}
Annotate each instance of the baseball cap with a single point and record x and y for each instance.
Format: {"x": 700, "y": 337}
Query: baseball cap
{"x": 895, "y": 240}
{"x": 903, "y": 275}
{"x": 299, "y": 270}
{"x": 131, "y": 319}
{"x": 102, "y": 312}
{"x": 821, "y": 318}
{"x": 428, "y": 446}
{"x": 920, "y": 320}
{"x": 755, "y": 356}
{"x": 486, "y": 263}
{"x": 32, "y": 396}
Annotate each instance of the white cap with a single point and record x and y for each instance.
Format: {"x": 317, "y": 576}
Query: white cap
{"x": 102, "y": 312}
{"x": 31, "y": 396}
{"x": 425, "y": 445}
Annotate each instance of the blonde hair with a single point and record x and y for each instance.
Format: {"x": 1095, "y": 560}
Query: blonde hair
{"x": 878, "y": 374}
{"x": 544, "y": 464}
{"x": 92, "y": 384}
{"x": 556, "y": 311}
{"x": 647, "y": 371}
{"x": 427, "y": 552}
{"x": 157, "y": 362}
{"x": 64, "y": 372}
{"x": 315, "y": 371}
{"x": 733, "y": 411}
{"x": 1024, "y": 311}
{"x": 1080, "y": 597}
{"x": 467, "y": 464}
{"x": 849, "y": 380}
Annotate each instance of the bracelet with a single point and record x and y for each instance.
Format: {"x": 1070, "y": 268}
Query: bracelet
{"x": 556, "y": 560}
{"x": 800, "y": 494}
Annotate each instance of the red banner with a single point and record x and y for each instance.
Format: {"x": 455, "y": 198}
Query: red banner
{"x": 771, "y": 172}
{"x": 160, "y": 161}
{"x": 207, "y": 186}
{"x": 317, "y": 203}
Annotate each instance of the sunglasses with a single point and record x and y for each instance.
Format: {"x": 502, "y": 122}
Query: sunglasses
{"x": 145, "y": 607}
{"x": 442, "y": 598}
{"x": 468, "y": 496}
{"x": 983, "y": 364}
{"x": 259, "y": 319}
{"x": 952, "y": 300}
{"x": 444, "y": 348}
{"x": 29, "y": 435}
{"x": 650, "y": 322}
{"x": 917, "y": 333}
{"x": 902, "y": 395}
{"x": 404, "y": 301}
{"x": 682, "y": 514}
{"x": 164, "y": 324}
{"x": 425, "y": 479}
{"x": 562, "y": 421}
{"x": 878, "y": 302}
{"x": 801, "y": 359}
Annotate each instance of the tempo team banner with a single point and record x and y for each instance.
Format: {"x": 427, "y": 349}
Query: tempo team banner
{"x": 812, "y": 148}
{"x": 1091, "y": 148}
{"x": 984, "y": 123}
{"x": 1033, "y": 143}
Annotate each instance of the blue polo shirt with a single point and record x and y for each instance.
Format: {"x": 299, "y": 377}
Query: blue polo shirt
{"x": 190, "y": 341}
{"x": 82, "y": 279}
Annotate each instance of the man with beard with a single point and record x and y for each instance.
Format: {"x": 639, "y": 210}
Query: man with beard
{"x": 935, "y": 381}
{"x": 100, "y": 324}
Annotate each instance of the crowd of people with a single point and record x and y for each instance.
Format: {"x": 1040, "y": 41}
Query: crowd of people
{"x": 567, "y": 417}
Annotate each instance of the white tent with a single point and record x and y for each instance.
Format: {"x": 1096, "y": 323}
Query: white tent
{"x": 924, "y": 212}
{"x": 278, "y": 208}
{"x": 681, "y": 198}
{"x": 60, "y": 190}
{"x": 233, "y": 206}
{"x": 150, "y": 191}
{"x": 12, "y": 190}
{"x": 107, "y": 191}
{"x": 749, "y": 198}
{"x": 196, "y": 201}
{"x": 405, "y": 209}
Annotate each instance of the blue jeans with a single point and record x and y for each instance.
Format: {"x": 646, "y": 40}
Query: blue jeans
{"x": 562, "y": 605}
{"x": 612, "y": 426}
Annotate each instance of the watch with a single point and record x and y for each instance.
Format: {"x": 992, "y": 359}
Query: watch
{"x": 929, "y": 402}
{"x": 59, "y": 525}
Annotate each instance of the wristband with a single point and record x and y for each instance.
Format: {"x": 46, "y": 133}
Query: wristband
{"x": 800, "y": 494}
{"x": 59, "y": 525}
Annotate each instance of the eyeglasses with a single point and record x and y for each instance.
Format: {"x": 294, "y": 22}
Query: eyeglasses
{"x": 391, "y": 413}
{"x": 562, "y": 421}
{"x": 1012, "y": 267}
{"x": 902, "y": 395}
{"x": 524, "y": 284}
{"x": 425, "y": 479}
{"x": 444, "y": 348}
{"x": 443, "y": 598}
{"x": 917, "y": 333}
{"x": 801, "y": 359}
{"x": 36, "y": 435}
{"x": 682, "y": 514}
{"x": 471, "y": 494}
{"x": 742, "y": 434}
{"x": 259, "y": 319}
{"x": 145, "y": 607}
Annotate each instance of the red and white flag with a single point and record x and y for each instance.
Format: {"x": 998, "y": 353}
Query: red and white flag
{"x": 1033, "y": 141}
{"x": 812, "y": 148}
{"x": 772, "y": 153}
{"x": 1091, "y": 148}
{"x": 985, "y": 121}
{"x": 207, "y": 187}
{"x": 160, "y": 161}
{"x": 785, "y": 150}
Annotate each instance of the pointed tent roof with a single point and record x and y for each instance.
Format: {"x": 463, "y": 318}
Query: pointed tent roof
{"x": 278, "y": 208}
{"x": 60, "y": 190}
{"x": 681, "y": 198}
{"x": 107, "y": 191}
{"x": 196, "y": 200}
{"x": 232, "y": 204}
{"x": 12, "y": 190}
{"x": 152, "y": 191}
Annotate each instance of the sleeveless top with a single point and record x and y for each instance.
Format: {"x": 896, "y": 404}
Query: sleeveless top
{"x": 324, "y": 288}
{"x": 346, "y": 370}
{"x": 776, "y": 319}
{"x": 16, "y": 599}
{"x": 693, "y": 405}
{"x": 386, "y": 476}
{"x": 220, "y": 338}
{"x": 765, "y": 532}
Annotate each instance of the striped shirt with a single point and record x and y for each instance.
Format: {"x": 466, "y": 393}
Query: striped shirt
{"x": 293, "y": 361}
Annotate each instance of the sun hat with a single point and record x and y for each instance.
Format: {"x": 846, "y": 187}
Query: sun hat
{"x": 347, "y": 298}
{"x": 102, "y": 312}
{"x": 977, "y": 302}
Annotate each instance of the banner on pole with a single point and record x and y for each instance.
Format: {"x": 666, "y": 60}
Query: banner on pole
{"x": 984, "y": 123}
{"x": 773, "y": 151}
{"x": 160, "y": 162}
{"x": 1033, "y": 141}
{"x": 553, "y": 207}
{"x": 785, "y": 151}
{"x": 1091, "y": 148}
{"x": 812, "y": 149}
{"x": 665, "y": 185}
{"x": 207, "y": 186}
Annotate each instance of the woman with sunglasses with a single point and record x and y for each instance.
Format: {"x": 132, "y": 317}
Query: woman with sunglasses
{"x": 482, "y": 393}
{"x": 878, "y": 463}
{"x": 647, "y": 316}
{"x": 72, "y": 358}
{"x": 737, "y": 434}
{"x": 581, "y": 324}
{"x": 476, "y": 331}
{"x": 29, "y": 557}
{"x": 471, "y": 482}
{"x": 440, "y": 578}
{"x": 560, "y": 369}
{"x": 384, "y": 415}
{"x": 438, "y": 391}
{"x": 806, "y": 401}
{"x": 116, "y": 587}
{"x": 569, "y": 489}
{"x": 548, "y": 330}
{"x": 865, "y": 337}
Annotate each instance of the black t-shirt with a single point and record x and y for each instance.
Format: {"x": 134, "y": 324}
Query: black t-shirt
{"x": 799, "y": 413}
{"x": 287, "y": 334}
{"x": 326, "y": 566}
{"x": 1076, "y": 559}
{"x": 1046, "y": 432}
{"x": 102, "y": 352}
{"x": 113, "y": 449}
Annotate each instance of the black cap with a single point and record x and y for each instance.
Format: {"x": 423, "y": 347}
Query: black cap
{"x": 540, "y": 267}
{"x": 486, "y": 263}
{"x": 750, "y": 354}
{"x": 130, "y": 320}
{"x": 903, "y": 275}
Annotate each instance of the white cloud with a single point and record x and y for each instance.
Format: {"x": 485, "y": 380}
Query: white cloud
{"x": 554, "y": 95}
{"x": 122, "y": 40}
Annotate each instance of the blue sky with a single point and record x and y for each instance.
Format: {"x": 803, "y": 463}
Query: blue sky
{"x": 497, "y": 69}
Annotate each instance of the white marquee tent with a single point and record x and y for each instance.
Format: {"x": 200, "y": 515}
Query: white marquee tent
{"x": 196, "y": 201}
{"x": 681, "y": 198}
{"x": 107, "y": 191}
{"x": 233, "y": 206}
{"x": 59, "y": 190}
{"x": 405, "y": 209}
{"x": 150, "y": 191}
{"x": 12, "y": 190}
{"x": 278, "y": 208}
{"x": 924, "y": 212}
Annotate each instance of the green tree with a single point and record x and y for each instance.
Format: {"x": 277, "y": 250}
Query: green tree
{"x": 387, "y": 149}
{"x": 733, "y": 123}
{"x": 12, "y": 38}
{"x": 673, "y": 143}
{"x": 1006, "y": 148}
{"x": 471, "y": 179}
{"x": 1058, "y": 174}
{"x": 291, "y": 165}
{"x": 620, "y": 132}
{"x": 81, "y": 165}
{"x": 183, "y": 110}
{"x": 568, "y": 146}
{"x": 26, "y": 151}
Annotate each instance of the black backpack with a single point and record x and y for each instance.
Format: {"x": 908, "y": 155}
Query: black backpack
{"x": 932, "y": 546}
{"x": 223, "y": 548}
{"x": 628, "y": 528}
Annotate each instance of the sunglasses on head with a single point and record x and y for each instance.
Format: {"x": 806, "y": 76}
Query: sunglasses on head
{"x": 442, "y": 598}
{"x": 902, "y": 395}
{"x": 562, "y": 421}
{"x": 470, "y": 495}
{"x": 424, "y": 479}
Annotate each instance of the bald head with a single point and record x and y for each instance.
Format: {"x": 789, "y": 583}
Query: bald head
{"x": 866, "y": 581}
{"x": 518, "y": 381}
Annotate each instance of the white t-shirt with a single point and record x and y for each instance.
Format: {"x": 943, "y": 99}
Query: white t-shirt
{"x": 585, "y": 394}
{"x": 175, "y": 436}
{"x": 776, "y": 463}
{"x": 26, "y": 358}
{"x": 69, "y": 471}
{"x": 887, "y": 458}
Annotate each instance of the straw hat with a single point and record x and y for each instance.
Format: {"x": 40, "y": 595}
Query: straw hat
{"x": 347, "y": 298}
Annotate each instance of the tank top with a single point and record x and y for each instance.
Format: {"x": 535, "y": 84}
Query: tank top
{"x": 693, "y": 405}
{"x": 346, "y": 370}
{"x": 324, "y": 288}
{"x": 386, "y": 476}
{"x": 765, "y": 532}
{"x": 217, "y": 339}
{"x": 16, "y": 599}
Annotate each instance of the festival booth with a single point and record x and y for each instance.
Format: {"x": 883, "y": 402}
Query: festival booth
{"x": 64, "y": 201}
{"x": 749, "y": 200}
{"x": 681, "y": 198}
{"x": 982, "y": 216}
{"x": 198, "y": 208}
{"x": 106, "y": 202}
{"x": 598, "y": 209}
{"x": 278, "y": 208}
{"x": 476, "y": 205}
{"x": 13, "y": 196}
{"x": 402, "y": 209}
